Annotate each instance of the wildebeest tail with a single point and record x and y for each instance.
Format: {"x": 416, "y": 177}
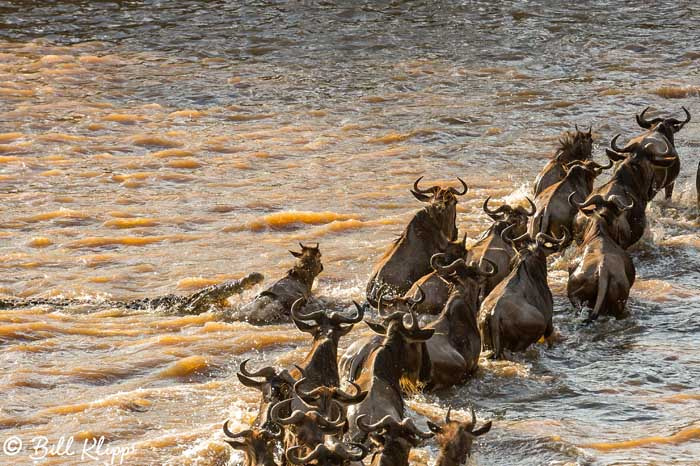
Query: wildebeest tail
{"x": 602, "y": 292}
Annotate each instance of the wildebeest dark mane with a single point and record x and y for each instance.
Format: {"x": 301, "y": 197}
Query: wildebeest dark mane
{"x": 572, "y": 146}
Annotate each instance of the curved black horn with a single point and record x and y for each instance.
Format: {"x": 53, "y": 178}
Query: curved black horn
{"x": 617, "y": 200}
{"x": 446, "y": 269}
{"x": 347, "y": 398}
{"x": 464, "y": 188}
{"x": 315, "y": 315}
{"x": 431, "y": 190}
{"x": 381, "y": 424}
{"x": 294, "y": 418}
{"x": 473, "y": 413}
{"x": 492, "y": 213}
{"x": 614, "y": 146}
{"x": 643, "y": 122}
{"x": 293, "y": 458}
{"x": 420, "y": 299}
{"x": 533, "y": 208}
{"x": 267, "y": 372}
{"x": 490, "y": 273}
{"x": 411, "y": 427}
{"x": 229, "y": 434}
{"x": 447, "y": 416}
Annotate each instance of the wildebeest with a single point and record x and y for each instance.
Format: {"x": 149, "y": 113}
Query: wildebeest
{"x": 633, "y": 182}
{"x": 492, "y": 246}
{"x": 320, "y": 366}
{"x": 572, "y": 147}
{"x": 275, "y": 386}
{"x": 428, "y": 233}
{"x": 384, "y": 369}
{"x": 436, "y": 290}
{"x": 329, "y": 400}
{"x": 662, "y": 129}
{"x": 394, "y": 439}
{"x": 333, "y": 454}
{"x": 416, "y": 369}
{"x": 518, "y": 216}
{"x": 455, "y": 346}
{"x": 602, "y": 273}
{"x": 309, "y": 425}
{"x": 554, "y": 211}
{"x": 274, "y": 304}
{"x": 257, "y": 444}
{"x": 455, "y": 439}
{"x": 518, "y": 312}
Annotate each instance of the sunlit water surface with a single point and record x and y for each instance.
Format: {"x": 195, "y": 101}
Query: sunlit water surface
{"x": 161, "y": 147}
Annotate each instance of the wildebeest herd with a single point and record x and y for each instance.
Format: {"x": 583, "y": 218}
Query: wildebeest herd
{"x": 491, "y": 297}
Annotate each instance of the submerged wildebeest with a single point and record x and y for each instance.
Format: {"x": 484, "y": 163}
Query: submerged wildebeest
{"x": 454, "y": 348}
{"x": 258, "y": 444}
{"x": 662, "y": 129}
{"x": 634, "y": 183}
{"x": 383, "y": 370}
{"x": 393, "y": 439}
{"x": 518, "y": 312}
{"x": 275, "y": 303}
{"x": 436, "y": 290}
{"x": 572, "y": 147}
{"x": 602, "y": 274}
{"x": 455, "y": 439}
{"x": 554, "y": 212}
{"x": 428, "y": 233}
{"x": 492, "y": 246}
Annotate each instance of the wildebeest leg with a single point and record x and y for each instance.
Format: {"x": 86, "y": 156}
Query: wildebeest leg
{"x": 669, "y": 191}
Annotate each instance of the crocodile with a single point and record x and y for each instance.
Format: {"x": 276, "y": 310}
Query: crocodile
{"x": 196, "y": 303}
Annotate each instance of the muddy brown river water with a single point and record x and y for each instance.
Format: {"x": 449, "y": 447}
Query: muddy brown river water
{"x": 157, "y": 147}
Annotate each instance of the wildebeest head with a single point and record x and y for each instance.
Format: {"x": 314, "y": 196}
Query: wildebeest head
{"x": 455, "y": 438}
{"x": 309, "y": 259}
{"x": 607, "y": 209}
{"x": 644, "y": 155}
{"x": 576, "y": 145}
{"x": 274, "y": 385}
{"x": 666, "y": 126}
{"x": 332, "y": 325}
{"x": 335, "y": 454}
{"x": 442, "y": 206}
{"x": 308, "y": 426}
{"x": 518, "y": 215}
{"x": 329, "y": 400}
{"x": 460, "y": 274}
{"x": 257, "y": 444}
{"x": 394, "y": 439}
{"x": 543, "y": 244}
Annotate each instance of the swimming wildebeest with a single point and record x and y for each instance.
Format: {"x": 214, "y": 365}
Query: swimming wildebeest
{"x": 662, "y": 129}
{"x": 436, "y": 289}
{"x": 428, "y": 233}
{"x": 383, "y": 370}
{"x": 634, "y": 183}
{"x": 275, "y": 303}
{"x": 275, "y": 386}
{"x": 518, "y": 312}
{"x": 572, "y": 147}
{"x": 257, "y": 444}
{"x": 554, "y": 211}
{"x": 602, "y": 273}
{"x": 492, "y": 246}
{"x": 455, "y": 439}
{"x": 393, "y": 439}
{"x": 455, "y": 346}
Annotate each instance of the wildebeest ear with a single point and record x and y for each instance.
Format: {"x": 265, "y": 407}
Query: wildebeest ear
{"x": 304, "y": 327}
{"x": 377, "y": 328}
{"x": 296, "y": 254}
{"x": 482, "y": 430}
{"x": 434, "y": 427}
{"x": 421, "y": 197}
